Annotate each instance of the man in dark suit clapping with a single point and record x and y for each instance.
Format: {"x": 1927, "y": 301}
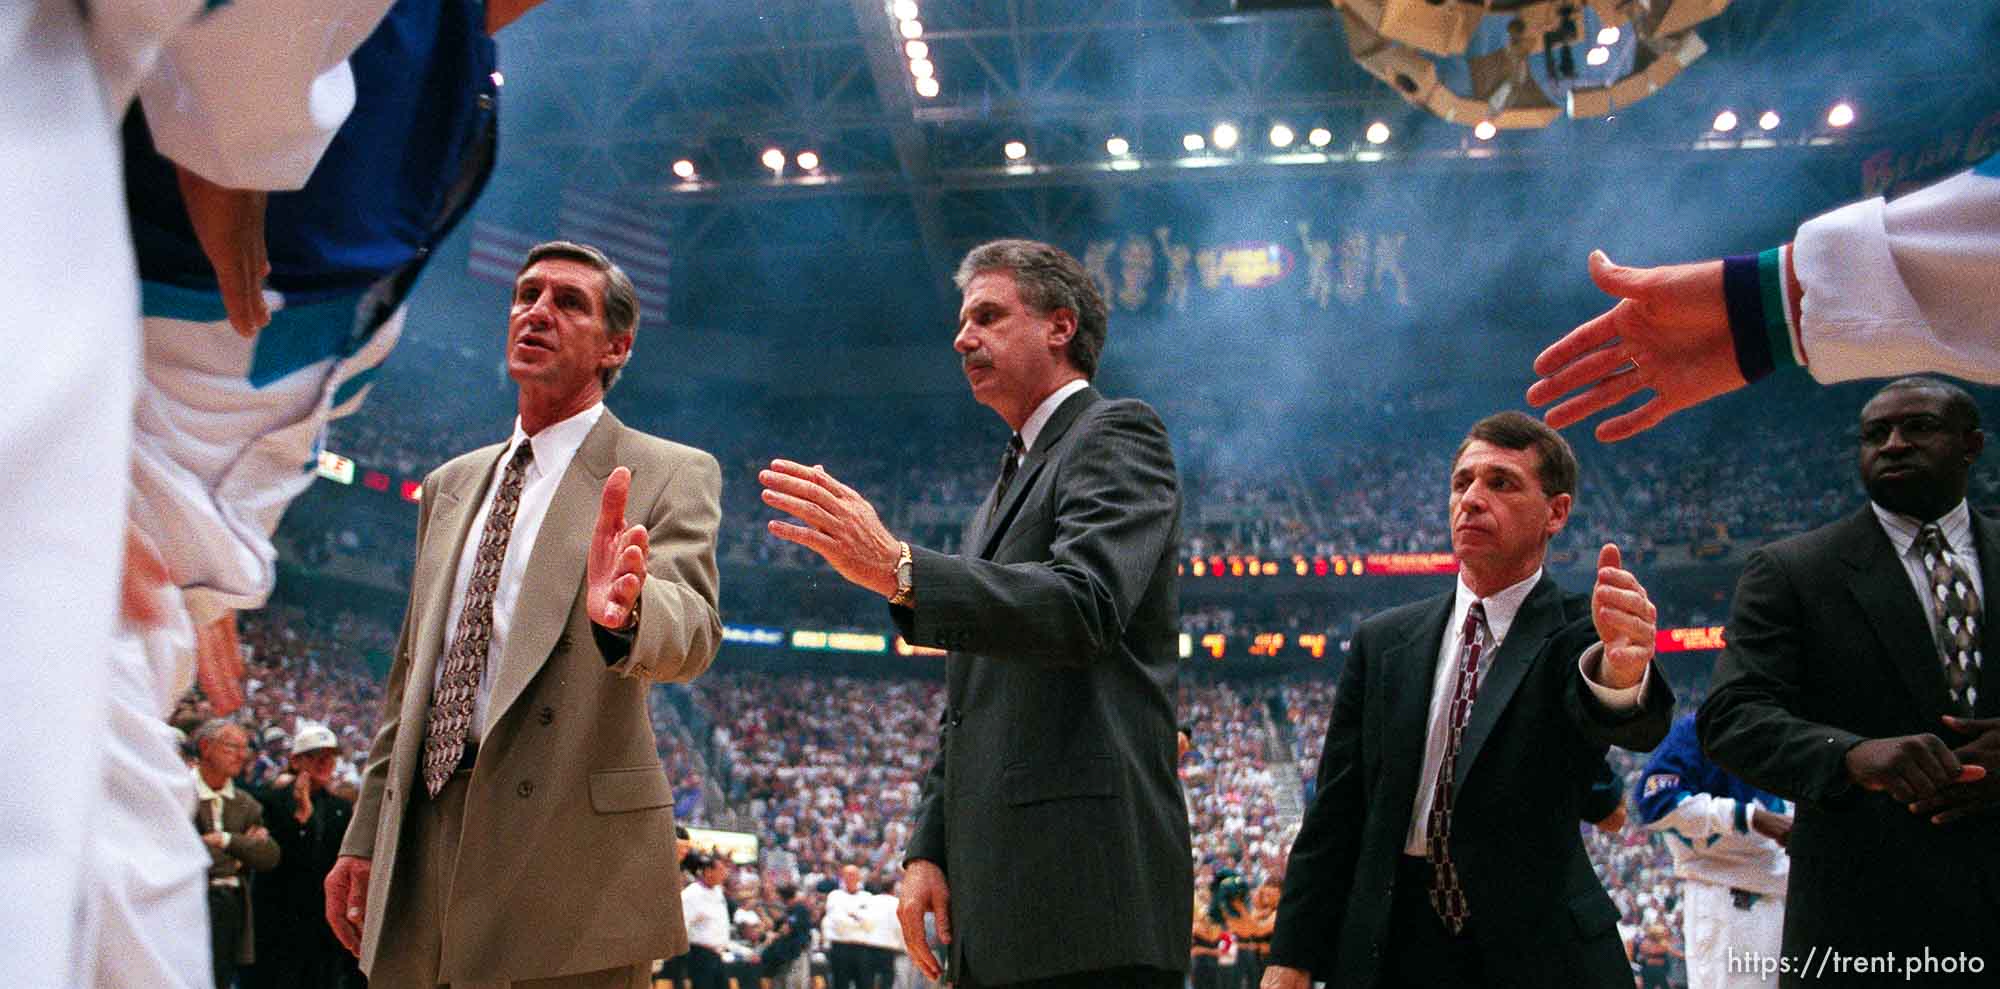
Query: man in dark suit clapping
{"x": 1051, "y": 840}
{"x": 1441, "y": 849}
{"x": 1852, "y": 685}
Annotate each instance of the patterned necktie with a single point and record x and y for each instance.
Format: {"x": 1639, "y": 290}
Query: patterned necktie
{"x": 1955, "y": 610}
{"x": 1447, "y": 896}
{"x": 1009, "y": 466}
{"x": 451, "y": 706}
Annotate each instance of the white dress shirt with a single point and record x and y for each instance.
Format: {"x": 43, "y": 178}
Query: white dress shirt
{"x": 846, "y": 920}
{"x": 1032, "y": 429}
{"x": 1902, "y": 532}
{"x": 707, "y": 916}
{"x": 555, "y": 446}
{"x": 1501, "y": 608}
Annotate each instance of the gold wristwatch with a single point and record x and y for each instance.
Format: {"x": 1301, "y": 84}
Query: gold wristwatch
{"x": 906, "y": 594}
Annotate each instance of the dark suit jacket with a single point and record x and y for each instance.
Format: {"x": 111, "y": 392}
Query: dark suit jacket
{"x": 292, "y": 933}
{"x": 241, "y": 813}
{"x": 1053, "y": 807}
{"x": 1535, "y": 740}
{"x": 569, "y": 832}
{"x": 1829, "y": 645}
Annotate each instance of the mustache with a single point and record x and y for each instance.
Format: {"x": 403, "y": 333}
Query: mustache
{"x": 977, "y": 358}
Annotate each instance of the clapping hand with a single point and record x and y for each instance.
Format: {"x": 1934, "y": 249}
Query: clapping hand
{"x": 1625, "y": 618}
{"x": 616, "y": 568}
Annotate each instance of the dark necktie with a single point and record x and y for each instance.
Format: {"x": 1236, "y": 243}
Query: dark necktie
{"x": 1010, "y": 464}
{"x": 1447, "y": 896}
{"x": 1955, "y": 612}
{"x": 452, "y": 704}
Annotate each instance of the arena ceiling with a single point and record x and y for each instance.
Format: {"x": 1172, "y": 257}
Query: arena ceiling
{"x": 611, "y": 94}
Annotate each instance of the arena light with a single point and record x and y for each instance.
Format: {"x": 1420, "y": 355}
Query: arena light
{"x": 1407, "y": 44}
{"x": 498, "y": 79}
{"x": 1282, "y": 136}
{"x": 911, "y": 28}
{"x": 1224, "y": 135}
{"x": 927, "y": 88}
{"x": 1484, "y": 130}
{"x": 1378, "y": 133}
{"x": 808, "y": 161}
{"x": 1841, "y": 115}
{"x": 774, "y": 159}
{"x": 1769, "y": 121}
{"x": 904, "y": 10}
{"x": 922, "y": 68}
{"x": 1319, "y": 137}
{"x": 1724, "y": 122}
{"x": 1193, "y": 142}
{"x": 1015, "y": 150}
{"x": 685, "y": 169}
{"x": 1117, "y": 147}
{"x": 916, "y": 50}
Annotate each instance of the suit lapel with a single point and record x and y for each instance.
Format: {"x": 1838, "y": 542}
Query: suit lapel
{"x": 451, "y": 522}
{"x": 1409, "y": 669}
{"x": 1882, "y": 588}
{"x": 554, "y": 577}
{"x": 1031, "y": 465}
{"x": 1987, "y": 535}
{"x": 1540, "y": 617}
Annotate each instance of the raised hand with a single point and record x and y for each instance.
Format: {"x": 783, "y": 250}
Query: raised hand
{"x": 1669, "y": 333}
{"x": 840, "y": 525}
{"x": 1625, "y": 618}
{"x": 615, "y": 570}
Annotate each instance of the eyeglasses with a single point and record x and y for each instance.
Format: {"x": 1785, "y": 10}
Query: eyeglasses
{"x": 1915, "y": 429}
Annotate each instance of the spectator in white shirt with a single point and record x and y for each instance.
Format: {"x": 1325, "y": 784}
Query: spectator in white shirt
{"x": 707, "y": 914}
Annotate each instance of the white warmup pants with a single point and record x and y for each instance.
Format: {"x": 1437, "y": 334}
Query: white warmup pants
{"x": 1714, "y": 928}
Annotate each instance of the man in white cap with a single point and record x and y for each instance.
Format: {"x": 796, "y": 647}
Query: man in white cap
{"x": 295, "y": 948}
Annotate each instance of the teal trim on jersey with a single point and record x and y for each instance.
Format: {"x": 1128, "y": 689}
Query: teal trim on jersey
{"x": 174, "y": 302}
{"x": 303, "y": 335}
{"x": 352, "y": 386}
{"x": 211, "y": 6}
{"x": 1990, "y": 167}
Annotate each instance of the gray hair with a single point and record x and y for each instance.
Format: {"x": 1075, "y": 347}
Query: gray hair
{"x": 1048, "y": 279}
{"x": 213, "y": 728}
{"x": 621, "y": 299}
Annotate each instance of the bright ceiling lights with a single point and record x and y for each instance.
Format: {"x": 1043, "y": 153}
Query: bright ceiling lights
{"x": 927, "y": 88}
{"x": 774, "y": 159}
{"x": 904, "y": 10}
{"x": 1378, "y": 132}
{"x": 1841, "y": 115}
{"x": 912, "y": 29}
{"x": 1282, "y": 136}
{"x": 808, "y": 160}
{"x": 685, "y": 169}
{"x": 1117, "y": 147}
{"x": 1194, "y": 142}
{"x": 1319, "y": 137}
{"x": 922, "y": 68}
{"x": 1015, "y": 150}
{"x": 1224, "y": 136}
{"x": 1484, "y": 130}
{"x": 1724, "y": 122}
{"x": 1769, "y": 121}
{"x": 916, "y": 49}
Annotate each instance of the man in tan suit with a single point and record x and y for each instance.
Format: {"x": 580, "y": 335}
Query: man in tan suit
{"x": 515, "y": 825}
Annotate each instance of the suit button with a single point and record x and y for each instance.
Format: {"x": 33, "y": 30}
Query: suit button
{"x": 525, "y": 788}
{"x": 547, "y": 716}
{"x": 389, "y": 794}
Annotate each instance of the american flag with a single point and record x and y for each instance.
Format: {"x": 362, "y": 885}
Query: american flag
{"x": 634, "y": 238}
{"x": 497, "y": 252}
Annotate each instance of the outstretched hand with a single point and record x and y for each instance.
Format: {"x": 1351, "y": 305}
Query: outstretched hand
{"x": 1625, "y": 618}
{"x": 615, "y": 570}
{"x": 1669, "y": 333}
{"x": 839, "y": 524}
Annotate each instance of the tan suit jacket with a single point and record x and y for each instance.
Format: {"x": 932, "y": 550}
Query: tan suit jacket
{"x": 569, "y": 831}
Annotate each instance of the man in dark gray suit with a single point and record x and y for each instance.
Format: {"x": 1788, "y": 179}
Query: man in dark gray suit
{"x": 1051, "y": 841}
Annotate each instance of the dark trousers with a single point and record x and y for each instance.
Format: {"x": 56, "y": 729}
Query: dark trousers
{"x": 847, "y": 965}
{"x": 879, "y": 968}
{"x": 225, "y": 928}
{"x": 1249, "y": 967}
{"x": 704, "y": 968}
{"x": 1129, "y": 977}
{"x": 1422, "y": 953}
{"x": 1207, "y": 973}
